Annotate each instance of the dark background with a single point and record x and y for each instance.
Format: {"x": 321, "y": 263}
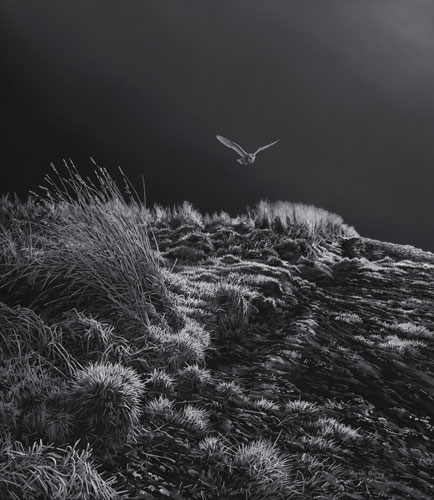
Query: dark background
{"x": 347, "y": 85}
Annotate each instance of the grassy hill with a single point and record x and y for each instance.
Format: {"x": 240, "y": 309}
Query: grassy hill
{"x": 164, "y": 354}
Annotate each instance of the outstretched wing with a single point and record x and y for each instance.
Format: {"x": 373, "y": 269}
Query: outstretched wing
{"x": 233, "y": 145}
{"x": 266, "y": 147}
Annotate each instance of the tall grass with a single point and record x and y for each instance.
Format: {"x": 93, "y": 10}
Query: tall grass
{"x": 91, "y": 254}
{"x": 176, "y": 216}
{"x": 12, "y": 209}
{"x": 23, "y": 331}
{"x": 299, "y": 220}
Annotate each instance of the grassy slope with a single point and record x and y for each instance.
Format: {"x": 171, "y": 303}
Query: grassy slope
{"x": 275, "y": 355}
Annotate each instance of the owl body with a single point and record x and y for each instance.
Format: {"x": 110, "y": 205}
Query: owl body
{"x": 246, "y": 158}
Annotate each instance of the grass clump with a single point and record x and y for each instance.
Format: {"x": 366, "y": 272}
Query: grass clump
{"x": 212, "y": 447}
{"x": 264, "y": 404}
{"x": 299, "y": 220}
{"x": 160, "y": 408}
{"x": 105, "y": 399}
{"x": 160, "y": 380}
{"x": 301, "y": 407}
{"x": 40, "y": 471}
{"x": 232, "y": 309}
{"x": 91, "y": 254}
{"x": 193, "y": 418}
{"x": 330, "y": 427}
{"x": 194, "y": 376}
{"x": 230, "y": 390}
{"x": 265, "y": 472}
{"x": 186, "y": 214}
{"x": 413, "y": 331}
{"x": 398, "y": 344}
{"x": 177, "y": 216}
{"x": 320, "y": 444}
{"x": 217, "y": 219}
{"x": 181, "y": 348}
{"x": 349, "y": 318}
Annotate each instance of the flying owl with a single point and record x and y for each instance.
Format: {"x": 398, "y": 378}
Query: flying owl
{"x": 246, "y": 158}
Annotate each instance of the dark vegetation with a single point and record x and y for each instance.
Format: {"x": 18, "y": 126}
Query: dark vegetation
{"x": 159, "y": 353}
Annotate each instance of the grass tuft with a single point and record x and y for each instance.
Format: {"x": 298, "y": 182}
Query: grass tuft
{"x": 398, "y": 344}
{"x": 232, "y": 309}
{"x": 212, "y": 446}
{"x": 105, "y": 399}
{"x": 230, "y": 389}
{"x": 264, "y": 404}
{"x": 194, "y": 375}
{"x": 265, "y": 471}
{"x": 160, "y": 380}
{"x": 179, "y": 349}
{"x": 301, "y": 407}
{"x": 160, "y": 407}
{"x": 330, "y": 427}
{"x": 194, "y": 418}
{"x": 413, "y": 331}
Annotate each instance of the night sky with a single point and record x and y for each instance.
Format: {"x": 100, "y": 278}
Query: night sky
{"x": 346, "y": 85}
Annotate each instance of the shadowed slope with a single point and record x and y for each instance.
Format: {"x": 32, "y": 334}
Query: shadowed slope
{"x": 273, "y": 355}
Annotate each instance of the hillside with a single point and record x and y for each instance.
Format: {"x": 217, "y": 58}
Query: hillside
{"x": 151, "y": 353}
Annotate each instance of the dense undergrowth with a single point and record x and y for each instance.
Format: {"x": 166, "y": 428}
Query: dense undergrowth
{"x": 162, "y": 353}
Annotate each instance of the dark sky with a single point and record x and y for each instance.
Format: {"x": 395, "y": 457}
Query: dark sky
{"x": 347, "y": 86}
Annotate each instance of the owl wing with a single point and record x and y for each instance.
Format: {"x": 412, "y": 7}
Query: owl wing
{"x": 266, "y": 146}
{"x": 233, "y": 145}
